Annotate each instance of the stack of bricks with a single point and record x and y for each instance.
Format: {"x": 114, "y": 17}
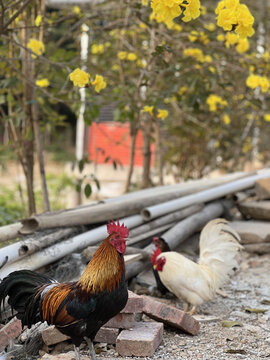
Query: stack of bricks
{"x": 131, "y": 337}
{"x": 134, "y": 338}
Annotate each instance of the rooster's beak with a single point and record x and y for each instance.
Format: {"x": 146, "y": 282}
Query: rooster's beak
{"x": 155, "y": 267}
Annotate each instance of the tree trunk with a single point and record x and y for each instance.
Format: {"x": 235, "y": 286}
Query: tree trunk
{"x": 133, "y": 134}
{"x": 146, "y": 181}
{"x": 159, "y": 159}
{"x": 28, "y": 131}
{"x": 39, "y": 147}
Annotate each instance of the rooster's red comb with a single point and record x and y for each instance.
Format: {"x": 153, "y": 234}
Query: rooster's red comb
{"x": 113, "y": 227}
{"x": 155, "y": 255}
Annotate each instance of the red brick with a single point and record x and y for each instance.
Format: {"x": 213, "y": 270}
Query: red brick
{"x": 107, "y": 335}
{"x": 53, "y": 336}
{"x": 9, "y": 332}
{"x": 134, "y": 303}
{"x": 121, "y": 321}
{"x": 142, "y": 340}
{"x": 170, "y": 315}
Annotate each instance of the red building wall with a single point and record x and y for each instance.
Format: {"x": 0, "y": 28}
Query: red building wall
{"x": 113, "y": 139}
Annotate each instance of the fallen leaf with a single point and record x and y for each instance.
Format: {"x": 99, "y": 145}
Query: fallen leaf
{"x": 265, "y": 302}
{"x": 236, "y": 351}
{"x": 257, "y": 311}
{"x": 228, "y": 323}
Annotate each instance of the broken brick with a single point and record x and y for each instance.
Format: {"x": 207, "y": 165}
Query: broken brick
{"x": 134, "y": 303}
{"x": 121, "y": 321}
{"x": 142, "y": 340}
{"x": 170, "y": 315}
{"x": 53, "y": 336}
{"x": 107, "y": 335}
{"x": 9, "y": 332}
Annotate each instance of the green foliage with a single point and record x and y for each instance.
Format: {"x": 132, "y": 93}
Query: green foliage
{"x": 10, "y": 208}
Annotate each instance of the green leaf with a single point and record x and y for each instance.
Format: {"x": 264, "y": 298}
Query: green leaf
{"x": 228, "y": 323}
{"x": 97, "y": 183}
{"x": 88, "y": 190}
{"x": 81, "y": 165}
{"x": 256, "y": 311}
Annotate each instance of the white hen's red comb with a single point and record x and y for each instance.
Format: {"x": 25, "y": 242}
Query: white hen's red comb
{"x": 113, "y": 227}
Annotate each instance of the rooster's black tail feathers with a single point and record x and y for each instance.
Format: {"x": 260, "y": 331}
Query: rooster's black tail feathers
{"x": 21, "y": 287}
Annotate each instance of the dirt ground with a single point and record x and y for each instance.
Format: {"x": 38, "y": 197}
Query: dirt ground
{"x": 249, "y": 288}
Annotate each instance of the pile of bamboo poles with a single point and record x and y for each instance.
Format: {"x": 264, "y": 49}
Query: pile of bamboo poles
{"x": 176, "y": 212}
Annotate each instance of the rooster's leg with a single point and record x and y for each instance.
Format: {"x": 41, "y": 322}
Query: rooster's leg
{"x": 77, "y": 352}
{"x": 193, "y": 310}
{"x": 186, "y": 307}
{"x": 222, "y": 293}
{"x": 91, "y": 348}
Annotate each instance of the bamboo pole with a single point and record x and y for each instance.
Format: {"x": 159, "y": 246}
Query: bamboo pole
{"x": 126, "y": 205}
{"x": 170, "y": 218}
{"x": 26, "y": 247}
{"x": 9, "y": 232}
{"x": 57, "y": 251}
{"x": 202, "y": 196}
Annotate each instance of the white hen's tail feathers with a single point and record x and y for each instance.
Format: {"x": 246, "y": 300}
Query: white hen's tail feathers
{"x": 219, "y": 244}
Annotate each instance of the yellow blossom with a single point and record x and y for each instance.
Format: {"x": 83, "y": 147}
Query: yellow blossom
{"x": 142, "y": 63}
{"x": 76, "y": 10}
{"x": 42, "y": 83}
{"x": 79, "y": 77}
{"x": 36, "y": 46}
{"x": 243, "y": 45}
{"x": 226, "y": 119}
{"x": 266, "y": 56}
{"x": 99, "y": 83}
{"x": 131, "y": 56}
{"x": 148, "y": 109}
{"x": 210, "y": 27}
{"x": 192, "y": 10}
{"x": 253, "y": 81}
{"x": 203, "y": 10}
{"x": 182, "y": 90}
{"x": 162, "y": 114}
{"x": 230, "y": 13}
{"x": 97, "y": 49}
{"x": 212, "y": 69}
{"x": 220, "y": 37}
{"x": 166, "y": 10}
{"x": 195, "y": 53}
{"x": 38, "y": 20}
{"x": 266, "y": 117}
{"x": 142, "y": 25}
{"x": 214, "y": 100}
{"x": 231, "y": 39}
{"x": 122, "y": 55}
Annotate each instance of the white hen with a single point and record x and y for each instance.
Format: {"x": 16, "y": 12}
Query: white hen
{"x": 197, "y": 283}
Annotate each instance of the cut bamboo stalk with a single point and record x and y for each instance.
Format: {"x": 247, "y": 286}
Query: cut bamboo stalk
{"x": 126, "y": 205}
{"x": 29, "y": 246}
{"x": 203, "y": 196}
{"x": 180, "y": 232}
{"x": 63, "y": 248}
{"x": 10, "y": 232}
{"x": 170, "y": 218}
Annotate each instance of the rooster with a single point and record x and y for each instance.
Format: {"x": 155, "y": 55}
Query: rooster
{"x": 197, "y": 283}
{"x": 164, "y": 247}
{"x": 77, "y": 309}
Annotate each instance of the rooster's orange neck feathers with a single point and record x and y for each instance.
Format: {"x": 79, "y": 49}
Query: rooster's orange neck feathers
{"x": 104, "y": 271}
